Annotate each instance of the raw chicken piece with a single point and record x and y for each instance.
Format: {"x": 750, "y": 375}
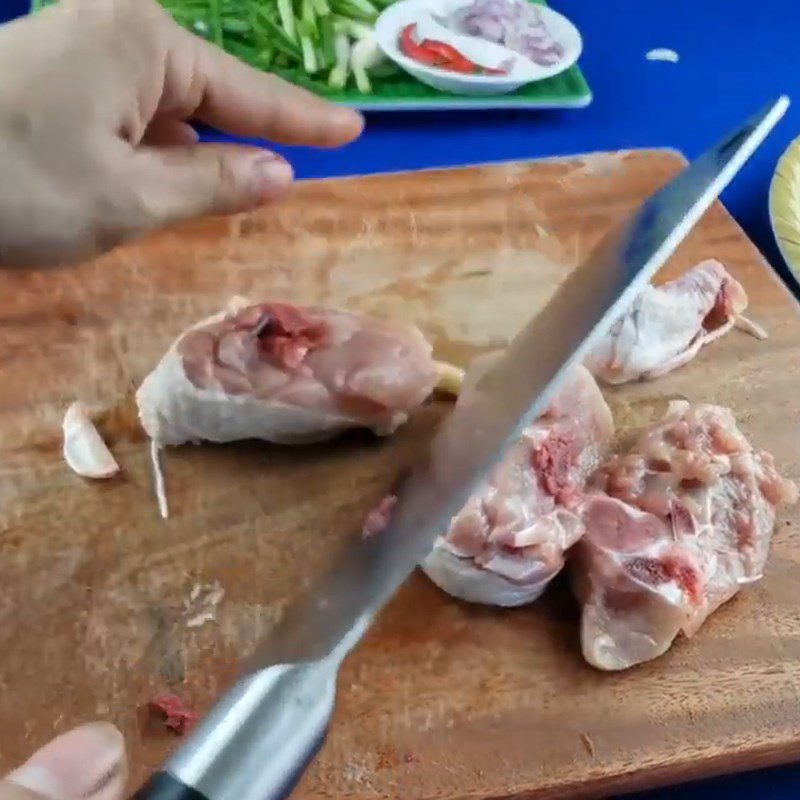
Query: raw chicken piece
{"x": 509, "y": 540}
{"x": 285, "y": 374}
{"x": 667, "y": 325}
{"x": 685, "y": 520}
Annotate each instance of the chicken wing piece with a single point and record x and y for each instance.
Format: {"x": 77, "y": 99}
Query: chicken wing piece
{"x": 667, "y": 325}
{"x": 677, "y": 526}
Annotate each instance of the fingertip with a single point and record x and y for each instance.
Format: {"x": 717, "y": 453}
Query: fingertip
{"x": 242, "y": 101}
{"x": 175, "y": 184}
{"x": 272, "y": 176}
{"x": 88, "y": 761}
{"x": 346, "y": 125}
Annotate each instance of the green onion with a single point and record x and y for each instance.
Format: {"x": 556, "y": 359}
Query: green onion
{"x": 318, "y": 44}
{"x": 347, "y": 9}
{"x": 272, "y": 31}
{"x": 308, "y": 20}
{"x": 363, "y": 6}
{"x": 287, "y": 17}
{"x": 338, "y": 76}
{"x": 215, "y": 23}
{"x": 353, "y": 28}
{"x": 235, "y": 26}
{"x": 309, "y": 55}
{"x": 241, "y": 51}
{"x": 326, "y": 45}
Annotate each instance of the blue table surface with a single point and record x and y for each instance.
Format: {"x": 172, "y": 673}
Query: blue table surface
{"x": 734, "y": 57}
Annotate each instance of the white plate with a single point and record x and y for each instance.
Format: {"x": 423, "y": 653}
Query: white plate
{"x": 407, "y": 12}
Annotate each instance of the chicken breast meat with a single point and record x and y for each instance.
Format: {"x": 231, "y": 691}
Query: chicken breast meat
{"x": 509, "y": 540}
{"x": 675, "y": 529}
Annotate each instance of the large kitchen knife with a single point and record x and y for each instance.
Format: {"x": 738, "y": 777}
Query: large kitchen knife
{"x": 258, "y": 739}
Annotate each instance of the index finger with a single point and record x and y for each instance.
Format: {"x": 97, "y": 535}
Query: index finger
{"x": 207, "y": 84}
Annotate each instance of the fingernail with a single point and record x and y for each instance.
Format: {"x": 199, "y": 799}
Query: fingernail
{"x": 362, "y": 120}
{"x": 88, "y": 762}
{"x": 347, "y": 123}
{"x": 272, "y": 176}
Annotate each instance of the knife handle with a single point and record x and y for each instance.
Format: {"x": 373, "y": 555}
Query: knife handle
{"x": 256, "y": 742}
{"x": 164, "y": 786}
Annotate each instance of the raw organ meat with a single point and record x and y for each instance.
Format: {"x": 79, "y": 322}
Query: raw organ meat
{"x": 677, "y": 527}
{"x": 509, "y": 540}
{"x": 667, "y": 325}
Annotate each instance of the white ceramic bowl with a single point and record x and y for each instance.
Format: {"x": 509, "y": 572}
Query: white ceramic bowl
{"x": 399, "y": 15}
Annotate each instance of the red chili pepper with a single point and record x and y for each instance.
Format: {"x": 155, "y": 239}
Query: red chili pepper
{"x": 417, "y": 52}
{"x": 449, "y": 55}
{"x": 457, "y": 61}
{"x": 440, "y": 54}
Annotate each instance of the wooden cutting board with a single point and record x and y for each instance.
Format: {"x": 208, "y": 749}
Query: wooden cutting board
{"x": 442, "y": 701}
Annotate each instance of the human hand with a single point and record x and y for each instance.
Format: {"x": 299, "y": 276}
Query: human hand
{"x": 94, "y": 142}
{"x": 88, "y": 763}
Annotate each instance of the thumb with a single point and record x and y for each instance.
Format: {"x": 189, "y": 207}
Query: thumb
{"x": 180, "y": 183}
{"x": 87, "y": 763}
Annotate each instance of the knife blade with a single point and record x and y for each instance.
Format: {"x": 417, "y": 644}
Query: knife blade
{"x": 257, "y": 740}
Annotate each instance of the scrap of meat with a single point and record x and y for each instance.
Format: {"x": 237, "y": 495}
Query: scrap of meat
{"x": 667, "y": 325}
{"x": 172, "y": 710}
{"x": 509, "y": 540}
{"x": 285, "y": 374}
{"x": 378, "y": 518}
{"x": 677, "y": 527}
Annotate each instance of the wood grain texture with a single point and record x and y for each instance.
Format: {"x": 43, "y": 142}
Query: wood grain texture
{"x": 442, "y": 701}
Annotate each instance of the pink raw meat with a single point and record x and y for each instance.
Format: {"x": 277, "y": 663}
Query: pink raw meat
{"x": 379, "y": 517}
{"x": 286, "y": 373}
{"x": 509, "y": 540}
{"x": 667, "y": 325}
{"x": 677, "y": 527}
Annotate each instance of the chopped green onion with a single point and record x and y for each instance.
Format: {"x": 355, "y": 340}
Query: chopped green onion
{"x": 235, "y": 26}
{"x": 365, "y": 55}
{"x": 314, "y": 43}
{"x": 353, "y": 28}
{"x": 364, "y": 6}
{"x": 338, "y": 76}
{"x": 215, "y": 22}
{"x": 287, "y": 17}
{"x": 309, "y": 55}
{"x": 273, "y": 32}
{"x": 326, "y": 43}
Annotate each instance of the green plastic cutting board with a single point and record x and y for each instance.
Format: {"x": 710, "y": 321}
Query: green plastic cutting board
{"x": 403, "y": 93}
